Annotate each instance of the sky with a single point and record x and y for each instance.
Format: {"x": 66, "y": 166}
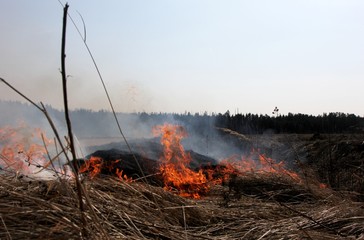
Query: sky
{"x": 177, "y": 56}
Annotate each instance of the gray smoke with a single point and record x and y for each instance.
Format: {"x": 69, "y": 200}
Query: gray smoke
{"x": 95, "y": 129}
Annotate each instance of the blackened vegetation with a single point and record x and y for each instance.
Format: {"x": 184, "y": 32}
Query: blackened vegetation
{"x": 200, "y": 160}
{"x": 114, "y": 160}
{"x": 334, "y": 150}
{"x": 268, "y": 187}
{"x": 339, "y": 161}
{"x": 117, "y": 159}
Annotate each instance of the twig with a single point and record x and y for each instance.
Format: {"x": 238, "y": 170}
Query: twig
{"x": 107, "y": 93}
{"x": 147, "y": 176}
{"x": 63, "y": 148}
{"x": 50, "y": 162}
{"x": 43, "y": 110}
{"x": 299, "y": 162}
{"x": 265, "y": 234}
{"x": 184, "y": 221}
{"x": 84, "y": 27}
{"x": 80, "y": 190}
{"x": 6, "y": 228}
{"x": 68, "y": 121}
{"x": 144, "y": 179}
{"x": 135, "y": 227}
{"x": 311, "y": 219}
{"x": 64, "y": 82}
{"x": 49, "y": 157}
{"x": 15, "y": 90}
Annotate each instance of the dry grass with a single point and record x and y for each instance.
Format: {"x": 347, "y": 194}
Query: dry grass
{"x": 48, "y": 210}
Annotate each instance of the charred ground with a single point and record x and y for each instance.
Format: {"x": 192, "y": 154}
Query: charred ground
{"x": 253, "y": 206}
{"x": 336, "y": 160}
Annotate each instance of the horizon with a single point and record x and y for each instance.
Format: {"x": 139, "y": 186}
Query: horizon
{"x": 189, "y": 56}
{"x": 202, "y": 113}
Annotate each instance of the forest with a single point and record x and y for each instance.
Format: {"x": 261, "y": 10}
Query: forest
{"x": 101, "y": 123}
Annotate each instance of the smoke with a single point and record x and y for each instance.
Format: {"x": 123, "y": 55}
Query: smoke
{"x": 29, "y": 124}
{"x": 204, "y": 138}
{"x": 98, "y": 130}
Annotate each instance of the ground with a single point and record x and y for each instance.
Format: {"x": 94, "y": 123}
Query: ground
{"x": 252, "y": 206}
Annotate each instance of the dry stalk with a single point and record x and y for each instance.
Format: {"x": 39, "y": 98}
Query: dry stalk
{"x": 49, "y": 157}
{"x": 310, "y": 218}
{"x": 68, "y": 121}
{"x": 184, "y": 221}
{"x": 83, "y": 37}
{"x": 127, "y": 211}
{"x": 265, "y": 234}
{"x": 6, "y": 228}
{"x": 135, "y": 227}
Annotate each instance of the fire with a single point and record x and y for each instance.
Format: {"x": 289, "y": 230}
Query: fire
{"x": 22, "y": 149}
{"x": 92, "y": 166}
{"x": 122, "y": 176}
{"x": 188, "y": 183}
{"x": 257, "y": 163}
{"x": 175, "y": 163}
{"x": 95, "y": 165}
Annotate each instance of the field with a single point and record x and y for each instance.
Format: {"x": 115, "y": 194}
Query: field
{"x": 326, "y": 203}
{"x": 121, "y": 210}
{"x": 219, "y": 184}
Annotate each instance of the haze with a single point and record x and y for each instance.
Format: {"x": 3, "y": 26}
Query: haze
{"x": 192, "y": 55}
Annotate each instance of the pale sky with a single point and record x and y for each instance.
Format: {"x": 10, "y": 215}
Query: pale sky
{"x": 303, "y": 56}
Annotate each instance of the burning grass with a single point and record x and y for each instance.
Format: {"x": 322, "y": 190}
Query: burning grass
{"x": 175, "y": 164}
{"x": 253, "y": 197}
{"x": 22, "y": 149}
{"x": 48, "y": 209}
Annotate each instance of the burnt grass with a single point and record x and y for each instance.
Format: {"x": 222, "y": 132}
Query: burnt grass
{"x": 336, "y": 160}
{"x": 333, "y": 160}
{"x": 248, "y": 206}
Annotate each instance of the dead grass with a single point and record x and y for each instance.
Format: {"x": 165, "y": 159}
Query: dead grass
{"x": 48, "y": 210}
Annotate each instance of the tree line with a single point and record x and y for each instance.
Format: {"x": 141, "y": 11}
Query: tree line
{"x": 292, "y": 123}
{"x": 86, "y": 121}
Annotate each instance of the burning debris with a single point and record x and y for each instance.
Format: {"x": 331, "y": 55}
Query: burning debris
{"x": 175, "y": 164}
{"x": 240, "y": 197}
{"x": 257, "y": 164}
{"x": 124, "y": 165}
{"x": 172, "y": 170}
{"x": 23, "y": 150}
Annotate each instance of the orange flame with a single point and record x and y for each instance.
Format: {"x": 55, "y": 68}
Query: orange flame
{"x": 122, "y": 176}
{"x": 178, "y": 176}
{"x": 92, "y": 166}
{"x": 175, "y": 161}
{"x": 19, "y": 152}
{"x": 95, "y": 165}
{"x": 257, "y": 163}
